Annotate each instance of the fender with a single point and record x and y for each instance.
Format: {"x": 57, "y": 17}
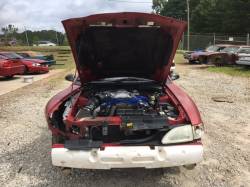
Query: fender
{"x": 57, "y": 100}
{"x": 186, "y": 102}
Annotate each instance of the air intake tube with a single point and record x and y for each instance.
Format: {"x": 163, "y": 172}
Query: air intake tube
{"x": 94, "y": 103}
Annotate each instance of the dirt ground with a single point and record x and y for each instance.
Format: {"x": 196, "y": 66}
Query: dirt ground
{"x": 25, "y": 139}
{"x": 8, "y": 85}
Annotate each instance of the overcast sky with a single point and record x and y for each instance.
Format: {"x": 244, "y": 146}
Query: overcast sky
{"x": 47, "y": 14}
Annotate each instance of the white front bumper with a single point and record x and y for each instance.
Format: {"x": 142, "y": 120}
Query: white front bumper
{"x": 128, "y": 157}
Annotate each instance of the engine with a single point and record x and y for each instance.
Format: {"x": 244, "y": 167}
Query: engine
{"x": 119, "y": 102}
{"x": 118, "y": 115}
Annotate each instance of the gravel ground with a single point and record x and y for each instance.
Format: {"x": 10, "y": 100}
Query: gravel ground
{"x": 25, "y": 139}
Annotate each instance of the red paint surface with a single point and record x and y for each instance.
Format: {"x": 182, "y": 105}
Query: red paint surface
{"x": 188, "y": 111}
{"x": 10, "y": 68}
{"x": 74, "y": 27}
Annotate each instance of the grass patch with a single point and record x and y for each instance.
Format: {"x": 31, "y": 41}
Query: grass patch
{"x": 180, "y": 52}
{"x": 179, "y": 58}
{"x": 231, "y": 70}
{"x": 63, "y": 63}
{"x": 62, "y": 56}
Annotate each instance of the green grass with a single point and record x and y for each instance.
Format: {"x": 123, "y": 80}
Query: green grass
{"x": 231, "y": 70}
{"x": 63, "y": 62}
{"x": 179, "y": 58}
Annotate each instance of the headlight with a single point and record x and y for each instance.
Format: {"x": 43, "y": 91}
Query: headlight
{"x": 182, "y": 134}
{"x": 36, "y": 64}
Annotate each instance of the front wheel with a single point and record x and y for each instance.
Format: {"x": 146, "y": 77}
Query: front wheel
{"x": 191, "y": 61}
{"x": 26, "y": 70}
{"x": 9, "y": 76}
{"x": 218, "y": 62}
{"x": 202, "y": 60}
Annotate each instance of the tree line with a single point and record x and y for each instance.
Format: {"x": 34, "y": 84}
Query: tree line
{"x": 209, "y": 16}
{"x": 28, "y": 37}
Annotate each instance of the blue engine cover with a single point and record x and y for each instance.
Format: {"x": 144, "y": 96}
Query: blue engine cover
{"x": 135, "y": 100}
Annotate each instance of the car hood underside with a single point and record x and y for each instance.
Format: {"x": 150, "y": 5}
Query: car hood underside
{"x": 124, "y": 44}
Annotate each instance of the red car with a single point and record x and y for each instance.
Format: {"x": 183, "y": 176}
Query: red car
{"x": 203, "y": 56}
{"x": 123, "y": 110}
{"x": 228, "y": 56}
{"x": 9, "y": 68}
{"x": 31, "y": 65}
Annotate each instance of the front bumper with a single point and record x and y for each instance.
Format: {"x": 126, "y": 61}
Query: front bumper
{"x": 128, "y": 157}
{"x": 243, "y": 62}
{"x": 38, "y": 69}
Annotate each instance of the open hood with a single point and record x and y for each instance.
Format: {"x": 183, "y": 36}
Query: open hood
{"x": 124, "y": 45}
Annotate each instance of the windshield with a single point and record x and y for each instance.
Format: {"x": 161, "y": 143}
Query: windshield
{"x": 12, "y": 55}
{"x": 230, "y": 49}
{"x": 212, "y": 48}
{"x": 244, "y": 50}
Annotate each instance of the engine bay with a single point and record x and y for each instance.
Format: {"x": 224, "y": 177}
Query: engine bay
{"x": 111, "y": 114}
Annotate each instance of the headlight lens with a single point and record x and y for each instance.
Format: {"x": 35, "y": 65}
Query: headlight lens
{"x": 185, "y": 133}
{"x": 35, "y": 64}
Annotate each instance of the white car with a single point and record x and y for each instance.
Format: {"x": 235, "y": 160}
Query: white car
{"x": 243, "y": 55}
{"x": 244, "y": 59}
{"x": 45, "y": 43}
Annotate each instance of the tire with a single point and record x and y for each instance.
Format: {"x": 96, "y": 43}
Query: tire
{"x": 9, "y": 76}
{"x": 202, "y": 60}
{"x": 191, "y": 61}
{"x": 218, "y": 62}
{"x": 26, "y": 70}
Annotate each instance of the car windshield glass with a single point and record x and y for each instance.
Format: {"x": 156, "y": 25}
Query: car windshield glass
{"x": 12, "y": 56}
{"x": 212, "y": 48}
{"x": 230, "y": 49}
{"x": 43, "y": 42}
{"x": 244, "y": 50}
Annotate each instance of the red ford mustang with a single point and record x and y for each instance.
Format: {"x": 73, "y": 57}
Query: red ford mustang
{"x": 31, "y": 65}
{"x": 123, "y": 110}
{"x": 9, "y": 68}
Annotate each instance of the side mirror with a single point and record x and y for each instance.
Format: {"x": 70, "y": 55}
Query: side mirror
{"x": 175, "y": 76}
{"x": 70, "y": 77}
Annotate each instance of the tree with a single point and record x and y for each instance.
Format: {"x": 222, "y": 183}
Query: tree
{"x": 174, "y": 8}
{"x": 209, "y": 16}
{"x": 9, "y": 31}
{"x": 171, "y": 8}
{"x": 222, "y": 16}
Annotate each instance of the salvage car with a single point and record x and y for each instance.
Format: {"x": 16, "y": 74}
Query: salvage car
{"x": 30, "y": 65}
{"x": 228, "y": 56}
{"x": 35, "y": 55}
{"x": 10, "y": 68}
{"x": 202, "y": 56}
{"x": 244, "y": 56}
{"x": 123, "y": 110}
